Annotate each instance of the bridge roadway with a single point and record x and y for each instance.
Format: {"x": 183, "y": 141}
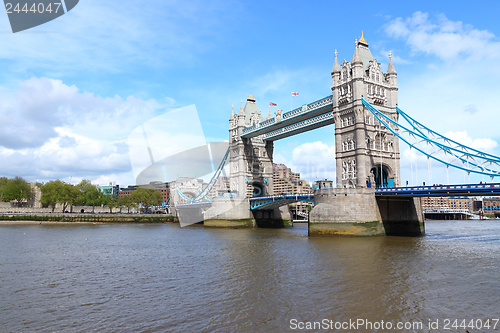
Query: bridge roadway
{"x": 275, "y": 201}
{"x": 490, "y": 189}
{"x": 307, "y": 117}
{"x": 463, "y": 190}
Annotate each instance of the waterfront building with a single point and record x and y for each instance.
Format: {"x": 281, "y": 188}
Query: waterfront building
{"x": 164, "y": 188}
{"x": 491, "y": 205}
{"x": 285, "y": 181}
{"x": 430, "y": 203}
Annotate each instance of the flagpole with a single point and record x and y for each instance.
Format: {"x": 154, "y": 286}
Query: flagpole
{"x": 291, "y": 99}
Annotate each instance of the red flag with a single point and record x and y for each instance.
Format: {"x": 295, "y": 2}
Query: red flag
{"x": 295, "y": 94}
{"x": 272, "y": 104}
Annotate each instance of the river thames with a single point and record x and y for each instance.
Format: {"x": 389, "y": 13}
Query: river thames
{"x": 163, "y": 278}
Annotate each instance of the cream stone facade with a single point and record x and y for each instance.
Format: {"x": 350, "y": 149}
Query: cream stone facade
{"x": 363, "y": 147}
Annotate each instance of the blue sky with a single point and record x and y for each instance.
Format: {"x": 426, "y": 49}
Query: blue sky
{"x": 74, "y": 89}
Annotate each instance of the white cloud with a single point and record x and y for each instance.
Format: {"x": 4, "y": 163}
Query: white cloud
{"x": 482, "y": 144}
{"x": 455, "y": 87}
{"x": 52, "y": 130}
{"x": 314, "y": 160}
{"x": 443, "y": 38}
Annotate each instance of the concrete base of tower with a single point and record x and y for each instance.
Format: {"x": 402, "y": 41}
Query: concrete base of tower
{"x": 337, "y": 229}
{"x": 357, "y": 212}
{"x": 229, "y": 223}
{"x": 229, "y": 213}
{"x": 402, "y": 216}
{"x": 189, "y": 215}
{"x": 345, "y": 212}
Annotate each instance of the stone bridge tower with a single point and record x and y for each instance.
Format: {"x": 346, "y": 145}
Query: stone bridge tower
{"x": 251, "y": 165}
{"x": 367, "y": 154}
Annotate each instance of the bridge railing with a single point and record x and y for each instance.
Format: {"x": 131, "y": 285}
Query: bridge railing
{"x": 259, "y": 202}
{"x": 442, "y": 190}
{"x": 291, "y": 114}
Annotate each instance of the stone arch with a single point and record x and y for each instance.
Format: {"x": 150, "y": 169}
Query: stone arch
{"x": 381, "y": 179}
{"x": 258, "y": 189}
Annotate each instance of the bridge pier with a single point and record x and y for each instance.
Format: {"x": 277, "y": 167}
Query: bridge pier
{"x": 229, "y": 213}
{"x": 402, "y": 216}
{"x": 274, "y": 218}
{"x": 357, "y": 212}
{"x": 234, "y": 213}
{"x": 345, "y": 212}
{"x": 189, "y": 215}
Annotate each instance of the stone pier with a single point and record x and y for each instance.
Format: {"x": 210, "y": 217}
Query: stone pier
{"x": 357, "y": 212}
{"x": 229, "y": 213}
{"x": 235, "y": 213}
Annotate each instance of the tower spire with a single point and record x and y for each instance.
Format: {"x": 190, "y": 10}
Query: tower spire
{"x": 362, "y": 40}
{"x": 356, "y": 58}
{"x": 390, "y": 68}
{"x": 336, "y": 65}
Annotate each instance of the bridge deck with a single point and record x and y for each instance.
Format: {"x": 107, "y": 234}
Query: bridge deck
{"x": 271, "y": 202}
{"x": 307, "y": 117}
{"x": 491, "y": 189}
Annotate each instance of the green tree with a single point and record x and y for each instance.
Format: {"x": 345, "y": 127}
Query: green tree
{"x": 16, "y": 189}
{"x": 147, "y": 197}
{"x": 89, "y": 194}
{"x": 111, "y": 201}
{"x": 126, "y": 201}
{"x": 3, "y": 182}
{"x": 57, "y": 191}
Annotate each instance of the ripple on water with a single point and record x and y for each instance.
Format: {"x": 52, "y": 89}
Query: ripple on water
{"x": 165, "y": 278}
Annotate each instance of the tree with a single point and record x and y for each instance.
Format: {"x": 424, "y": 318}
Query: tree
{"x": 89, "y": 194}
{"x": 126, "y": 201}
{"x": 111, "y": 201}
{"x": 16, "y": 189}
{"x": 147, "y": 197}
{"x": 57, "y": 191}
{"x": 3, "y": 182}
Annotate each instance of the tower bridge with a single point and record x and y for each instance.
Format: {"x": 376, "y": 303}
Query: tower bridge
{"x": 368, "y": 200}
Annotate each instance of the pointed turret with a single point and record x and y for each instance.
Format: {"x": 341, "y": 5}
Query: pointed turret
{"x": 390, "y": 68}
{"x": 356, "y": 58}
{"x": 336, "y": 65}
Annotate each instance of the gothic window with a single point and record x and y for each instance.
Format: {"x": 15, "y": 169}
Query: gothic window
{"x": 351, "y": 145}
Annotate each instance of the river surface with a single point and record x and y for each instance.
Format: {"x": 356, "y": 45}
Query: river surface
{"x": 164, "y": 278}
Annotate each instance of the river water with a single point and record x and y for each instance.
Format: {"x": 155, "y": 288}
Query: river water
{"x": 163, "y": 278}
